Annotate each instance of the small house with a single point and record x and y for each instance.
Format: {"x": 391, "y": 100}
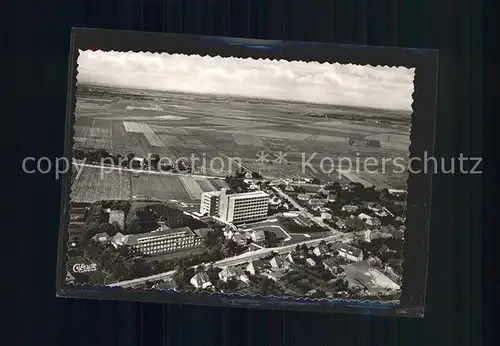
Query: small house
{"x": 303, "y": 196}
{"x": 274, "y": 275}
{"x": 350, "y": 208}
{"x": 289, "y": 258}
{"x": 326, "y": 216}
{"x": 332, "y": 266}
{"x": 374, "y": 221}
{"x": 311, "y": 262}
{"x": 101, "y": 237}
{"x": 254, "y": 267}
{"x": 364, "y": 217}
{"x": 119, "y": 239}
{"x": 320, "y": 250}
{"x": 233, "y": 273}
{"x": 279, "y": 262}
{"x": 349, "y": 252}
{"x": 240, "y": 239}
{"x": 317, "y": 202}
{"x": 117, "y": 216}
{"x": 201, "y": 280}
{"x": 341, "y": 224}
{"x": 258, "y": 236}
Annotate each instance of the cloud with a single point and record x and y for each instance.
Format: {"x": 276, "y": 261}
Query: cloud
{"x": 354, "y": 85}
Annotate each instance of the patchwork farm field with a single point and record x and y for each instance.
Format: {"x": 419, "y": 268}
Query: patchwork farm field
{"x": 213, "y": 129}
{"x": 93, "y": 185}
{"x": 171, "y": 187}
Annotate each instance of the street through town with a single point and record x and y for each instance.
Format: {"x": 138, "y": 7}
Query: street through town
{"x": 237, "y": 260}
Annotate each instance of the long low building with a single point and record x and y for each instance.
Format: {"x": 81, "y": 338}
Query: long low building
{"x": 160, "y": 241}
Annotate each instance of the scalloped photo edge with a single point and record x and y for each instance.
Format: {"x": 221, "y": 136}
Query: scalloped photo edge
{"x": 165, "y": 105}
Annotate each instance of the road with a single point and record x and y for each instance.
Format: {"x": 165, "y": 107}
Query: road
{"x": 105, "y": 167}
{"x": 304, "y": 210}
{"x": 233, "y": 261}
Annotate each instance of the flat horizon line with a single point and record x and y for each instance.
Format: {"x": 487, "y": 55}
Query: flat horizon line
{"x": 104, "y": 85}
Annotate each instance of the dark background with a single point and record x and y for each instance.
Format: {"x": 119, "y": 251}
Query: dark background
{"x": 36, "y": 53}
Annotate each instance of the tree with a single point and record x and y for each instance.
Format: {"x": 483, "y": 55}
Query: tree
{"x": 154, "y": 161}
{"x": 340, "y": 285}
{"x": 336, "y": 186}
{"x": 237, "y": 184}
{"x": 130, "y": 157}
{"x": 134, "y": 227}
{"x": 228, "y": 286}
{"x": 157, "y": 267}
{"x": 316, "y": 181}
{"x": 229, "y": 248}
{"x": 182, "y": 276}
{"x": 265, "y": 287}
{"x": 214, "y": 239}
{"x": 270, "y": 238}
{"x": 199, "y": 268}
{"x": 385, "y": 194}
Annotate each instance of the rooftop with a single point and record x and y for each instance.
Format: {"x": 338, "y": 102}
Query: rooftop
{"x": 232, "y": 272}
{"x": 249, "y": 194}
{"x": 201, "y": 278}
{"x": 101, "y": 236}
{"x": 202, "y": 232}
{"x": 351, "y": 250}
{"x": 160, "y": 233}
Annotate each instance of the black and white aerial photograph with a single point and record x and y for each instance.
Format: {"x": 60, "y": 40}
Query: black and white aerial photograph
{"x": 239, "y": 176}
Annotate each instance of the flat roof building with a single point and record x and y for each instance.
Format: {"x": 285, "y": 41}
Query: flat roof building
{"x": 235, "y": 208}
{"x": 161, "y": 241}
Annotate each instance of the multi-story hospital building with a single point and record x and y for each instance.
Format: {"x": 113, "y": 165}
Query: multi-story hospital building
{"x": 237, "y": 207}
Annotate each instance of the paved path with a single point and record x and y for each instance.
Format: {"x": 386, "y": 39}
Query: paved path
{"x": 108, "y": 168}
{"x": 304, "y": 210}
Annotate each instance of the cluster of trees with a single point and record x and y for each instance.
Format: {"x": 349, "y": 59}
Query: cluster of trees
{"x": 277, "y": 210}
{"x": 386, "y": 249}
{"x": 146, "y": 218}
{"x": 97, "y": 221}
{"x": 140, "y": 220}
{"x": 92, "y": 155}
{"x": 119, "y": 263}
{"x": 301, "y": 250}
{"x": 182, "y": 277}
{"x": 95, "y": 155}
{"x": 216, "y": 241}
{"x": 271, "y": 239}
{"x": 267, "y": 287}
{"x": 293, "y": 227}
{"x": 397, "y": 209}
{"x": 236, "y": 183}
{"x": 355, "y": 225}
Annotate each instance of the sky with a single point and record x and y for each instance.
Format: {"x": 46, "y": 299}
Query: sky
{"x": 347, "y": 85}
